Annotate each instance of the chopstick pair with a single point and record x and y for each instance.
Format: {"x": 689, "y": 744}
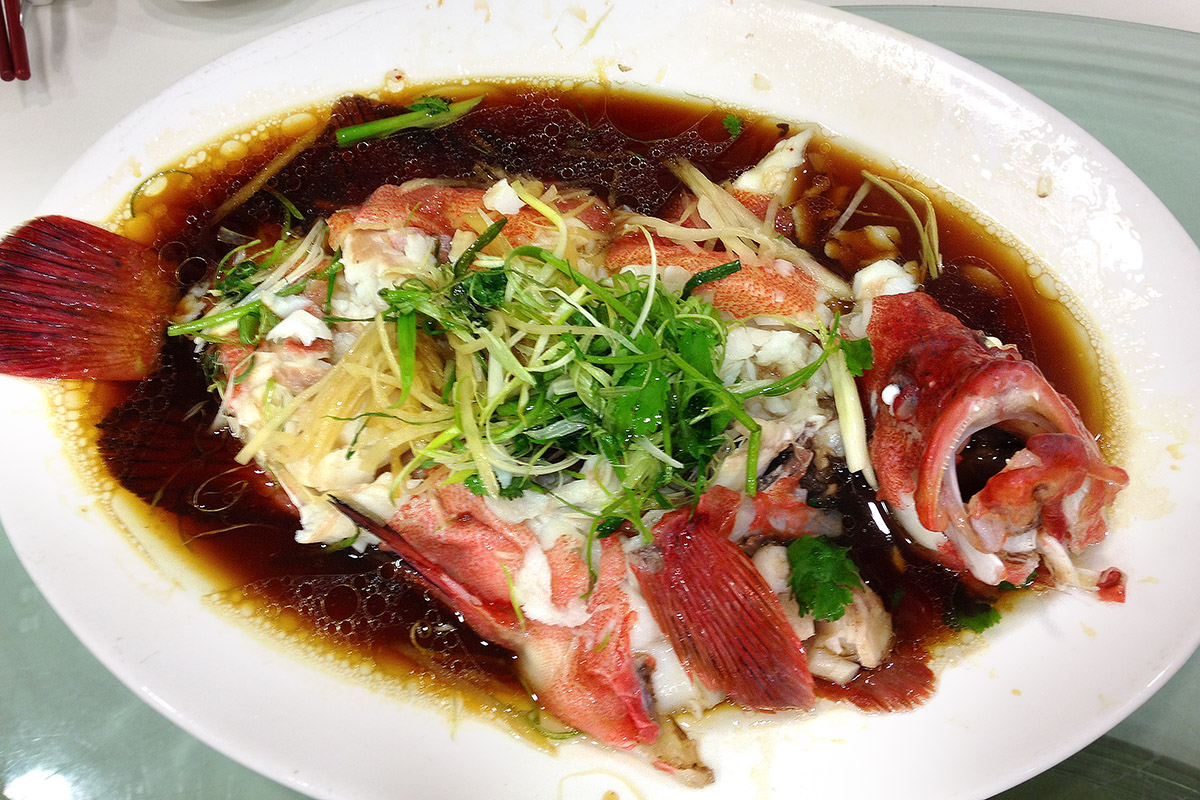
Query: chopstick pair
{"x": 14, "y": 55}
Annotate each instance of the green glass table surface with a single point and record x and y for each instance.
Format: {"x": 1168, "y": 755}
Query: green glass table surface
{"x": 71, "y": 731}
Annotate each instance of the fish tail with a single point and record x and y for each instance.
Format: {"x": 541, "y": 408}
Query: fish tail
{"x": 77, "y": 301}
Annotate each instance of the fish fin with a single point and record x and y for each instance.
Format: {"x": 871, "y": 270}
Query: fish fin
{"x": 903, "y": 683}
{"x": 421, "y": 567}
{"x": 725, "y": 624}
{"x": 77, "y": 301}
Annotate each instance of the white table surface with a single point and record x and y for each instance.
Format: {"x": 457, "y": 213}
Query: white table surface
{"x": 94, "y": 62}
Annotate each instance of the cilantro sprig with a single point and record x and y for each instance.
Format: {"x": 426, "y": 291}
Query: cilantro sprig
{"x": 823, "y": 577}
{"x": 732, "y": 125}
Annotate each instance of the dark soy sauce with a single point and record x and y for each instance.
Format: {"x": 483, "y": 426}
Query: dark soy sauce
{"x": 157, "y": 441}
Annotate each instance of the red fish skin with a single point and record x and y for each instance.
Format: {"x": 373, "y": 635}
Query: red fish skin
{"x": 759, "y": 204}
{"x": 456, "y": 530}
{"x": 1111, "y": 585}
{"x": 568, "y": 573}
{"x": 781, "y": 514}
{"x": 585, "y": 675}
{"x": 725, "y": 624}
{"x": 949, "y": 382}
{"x": 755, "y": 290}
{"x": 589, "y": 672}
{"x": 443, "y": 210}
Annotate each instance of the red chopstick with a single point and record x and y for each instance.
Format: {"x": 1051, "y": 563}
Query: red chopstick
{"x": 7, "y": 72}
{"x": 16, "y": 49}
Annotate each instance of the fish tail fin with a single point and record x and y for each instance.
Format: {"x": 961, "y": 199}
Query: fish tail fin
{"x": 78, "y": 301}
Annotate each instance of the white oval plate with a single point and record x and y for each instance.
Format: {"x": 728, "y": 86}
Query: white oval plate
{"x": 1049, "y": 679}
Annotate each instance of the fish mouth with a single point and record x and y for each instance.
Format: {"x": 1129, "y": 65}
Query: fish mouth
{"x": 1010, "y": 396}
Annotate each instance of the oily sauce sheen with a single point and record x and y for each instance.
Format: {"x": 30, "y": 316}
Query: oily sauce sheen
{"x": 156, "y": 436}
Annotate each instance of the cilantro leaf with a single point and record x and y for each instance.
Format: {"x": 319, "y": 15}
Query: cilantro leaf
{"x": 233, "y": 281}
{"x": 822, "y": 577}
{"x": 859, "y": 355}
{"x": 732, "y": 125}
{"x": 475, "y": 484}
{"x": 430, "y": 105}
{"x": 977, "y": 622}
{"x": 642, "y": 406}
{"x": 608, "y": 526}
{"x": 1006, "y": 586}
{"x": 965, "y": 612}
{"x": 486, "y": 287}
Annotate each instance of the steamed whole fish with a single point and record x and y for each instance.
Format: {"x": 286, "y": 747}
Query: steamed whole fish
{"x": 601, "y": 438}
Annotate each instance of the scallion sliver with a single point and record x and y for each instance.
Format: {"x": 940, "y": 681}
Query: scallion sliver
{"x": 422, "y": 118}
{"x": 708, "y": 276}
{"x": 213, "y": 320}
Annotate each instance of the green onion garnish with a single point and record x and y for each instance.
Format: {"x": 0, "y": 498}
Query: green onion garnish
{"x": 425, "y": 115}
